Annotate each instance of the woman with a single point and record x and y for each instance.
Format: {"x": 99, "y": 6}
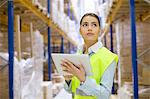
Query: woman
{"x": 103, "y": 63}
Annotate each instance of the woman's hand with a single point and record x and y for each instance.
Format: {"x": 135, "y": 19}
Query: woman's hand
{"x": 76, "y": 70}
{"x": 68, "y": 76}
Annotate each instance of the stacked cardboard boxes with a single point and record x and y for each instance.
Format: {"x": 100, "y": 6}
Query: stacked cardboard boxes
{"x": 25, "y": 42}
{"x": 123, "y": 34}
{"x": 3, "y": 79}
{"x": 126, "y": 92}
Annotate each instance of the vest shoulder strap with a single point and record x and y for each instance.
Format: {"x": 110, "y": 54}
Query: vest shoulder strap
{"x": 106, "y": 57}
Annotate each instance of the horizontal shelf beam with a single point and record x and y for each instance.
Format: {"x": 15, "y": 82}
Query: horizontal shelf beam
{"x": 145, "y": 16}
{"x": 114, "y": 11}
{"x": 117, "y": 8}
{"x": 117, "y": 4}
{"x": 4, "y": 20}
{"x": 44, "y": 18}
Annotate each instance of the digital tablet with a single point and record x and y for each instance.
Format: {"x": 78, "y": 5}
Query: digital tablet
{"x": 74, "y": 58}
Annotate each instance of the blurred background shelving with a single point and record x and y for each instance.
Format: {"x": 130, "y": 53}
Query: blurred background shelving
{"x": 33, "y": 43}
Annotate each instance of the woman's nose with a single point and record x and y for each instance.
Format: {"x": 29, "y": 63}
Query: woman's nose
{"x": 89, "y": 27}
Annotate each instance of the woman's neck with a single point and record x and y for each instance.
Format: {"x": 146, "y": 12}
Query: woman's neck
{"x": 89, "y": 44}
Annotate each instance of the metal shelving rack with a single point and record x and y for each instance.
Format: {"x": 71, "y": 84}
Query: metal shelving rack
{"x": 44, "y": 18}
{"x": 11, "y": 46}
{"x": 49, "y": 44}
{"x": 47, "y": 20}
{"x": 116, "y": 12}
{"x": 134, "y": 48}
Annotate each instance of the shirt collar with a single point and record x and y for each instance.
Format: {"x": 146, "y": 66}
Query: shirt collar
{"x": 94, "y": 48}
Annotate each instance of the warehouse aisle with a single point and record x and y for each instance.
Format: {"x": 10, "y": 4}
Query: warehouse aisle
{"x": 31, "y": 30}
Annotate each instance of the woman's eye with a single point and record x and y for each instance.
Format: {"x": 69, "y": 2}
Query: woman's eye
{"x": 94, "y": 25}
{"x": 84, "y": 25}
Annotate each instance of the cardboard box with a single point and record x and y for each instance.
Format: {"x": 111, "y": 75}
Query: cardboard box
{"x": 126, "y": 92}
{"x": 123, "y": 38}
{"x": 47, "y": 90}
{"x": 146, "y": 76}
{"x": 4, "y": 89}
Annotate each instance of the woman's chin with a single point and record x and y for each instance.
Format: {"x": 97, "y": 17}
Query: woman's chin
{"x": 91, "y": 40}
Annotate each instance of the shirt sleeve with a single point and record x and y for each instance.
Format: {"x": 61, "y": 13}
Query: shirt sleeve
{"x": 102, "y": 90}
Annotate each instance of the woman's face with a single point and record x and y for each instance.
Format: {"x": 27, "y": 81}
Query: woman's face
{"x": 90, "y": 28}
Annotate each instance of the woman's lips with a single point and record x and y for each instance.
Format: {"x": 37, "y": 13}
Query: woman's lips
{"x": 90, "y": 34}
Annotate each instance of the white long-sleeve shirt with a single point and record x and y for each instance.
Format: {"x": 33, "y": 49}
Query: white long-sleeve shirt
{"x": 90, "y": 87}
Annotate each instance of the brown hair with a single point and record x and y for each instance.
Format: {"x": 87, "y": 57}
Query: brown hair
{"x": 90, "y": 14}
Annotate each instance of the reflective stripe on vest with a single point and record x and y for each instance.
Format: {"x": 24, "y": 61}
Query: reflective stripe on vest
{"x": 100, "y": 61}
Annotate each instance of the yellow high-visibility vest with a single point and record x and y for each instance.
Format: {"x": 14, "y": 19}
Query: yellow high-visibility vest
{"x": 100, "y": 61}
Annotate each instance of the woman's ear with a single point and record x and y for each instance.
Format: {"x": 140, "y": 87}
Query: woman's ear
{"x": 100, "y": 32}
{"x": 80, "y": 30}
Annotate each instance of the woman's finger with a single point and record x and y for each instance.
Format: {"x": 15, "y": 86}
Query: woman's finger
{"x": 65, "y": 65}
{"x": 72, "y": 65}
{"x": 68, "y": 76}
{"x": 64, "y": 68}
{"x": 81, "y": 67}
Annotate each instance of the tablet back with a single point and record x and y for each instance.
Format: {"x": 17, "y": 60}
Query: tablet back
{"x": 74, "y": 58}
